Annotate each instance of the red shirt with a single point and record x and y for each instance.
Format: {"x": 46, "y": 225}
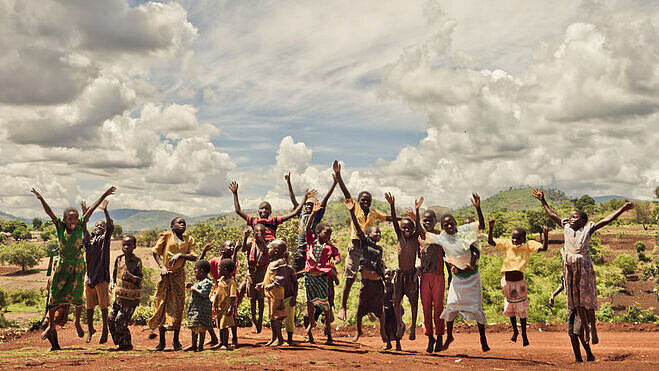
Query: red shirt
{"x": 257, "y": 257}
{"x": 270, "y": 225}
{"x": 215, "y": 269}
{"x": 319, "y": 256}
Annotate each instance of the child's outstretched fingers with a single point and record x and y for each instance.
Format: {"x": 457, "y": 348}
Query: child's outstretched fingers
{"x": 390, "y": 198}
{"x": 317, "y": 206}
{"x": 110, "y": 190}
{"x": 491, "y": 222}
{"x": 350, "y": 204}
{"x": 628, "y": 205}
{"x": 476, "y": 200}
{"x": 537, "y": 193}
{"x": 336, "y": 167}
{"x": 418, "y": 203}
{"x": 37, "y": 194}
{"x": 287, "y": 177}
{"x": 83, "y": 207}
{"x": 247, "y": 231}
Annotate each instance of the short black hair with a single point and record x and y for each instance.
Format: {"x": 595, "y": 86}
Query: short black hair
{"x": 203, "y": 265}
{"x": 520, "y": 230}
{"x": 364, "y": 193}
{"x": 264, "y": 204}
{"x": 132, "y": 238}
{"x": 227, "y": 264}
{"x": 70, "y": 210}
{"x": 447, "y": 215}
{"x": 430, "y": 212}
{"x": 173, "y": 220}
{"x": 409, "y": 220}
{"x": 321, "y": 226}
{"x": 584, "y": 216}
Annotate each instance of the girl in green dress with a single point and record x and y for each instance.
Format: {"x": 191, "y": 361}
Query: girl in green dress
{"x": 67, "y": 284}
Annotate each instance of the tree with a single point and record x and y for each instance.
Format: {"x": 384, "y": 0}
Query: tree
{"x": 536, "y": 218}
{"x": 10, "y": 225}
{"x": 21, "y": 233}
{"x": 118, "y": 231}
{"x": 37, "y": 223}
{"x": 656, "y": 192}
{"x": 643, "y": 214}
{"x": 24, "y": 254}
{"x": 147, "y": 238}
{"x": 584, "y": 201}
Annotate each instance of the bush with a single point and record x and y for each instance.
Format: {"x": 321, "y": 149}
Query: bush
{"x": 148, "y": 286}
{"x": 10, "y": 225}
{"x": 625, "y": 262}
{"x": 636, "y": 314}
{"x": 21, "y": 233}
{"x": 5, "y": 323}
{"x": 597, "y": 251}
{"x": 35, "y": 324}
{"x": 650, "y": 271}
{"x": 24, "y": 254}
{"x": 142, "y": 314}
{"x": 4, "y": 299}
{"x": 644, "y": 258}
{"x": 639, "y": 246}
{"x": 3, "y": 238}
{"x": 29, "y": 297}
{"x": 620, "y": 235}
{"x": 605, "y": 313}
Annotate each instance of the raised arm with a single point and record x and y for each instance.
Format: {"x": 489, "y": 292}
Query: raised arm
{"x": 246, "y": 233}
{"x": 337, "y": 172}
{"x": 291, "y": 194}
{"x": 490, "y": 236}
{"x": 233, "y": 187}
{"x": 238, "y": 247}
{"x": 537, "y": 193}
{"x": 314, "y": 211}
{"x": 476, "y": 201}
{"x": 46, "y": 208}
{"x": 323, "y": 203}
{"x": 109, "y": 225}
{"x": 417, "y": 218}
{"x": 205, "y": 250}
{"x": 392, "y": 205}
{"x": 90, "y": 211}
{"x": 350, "y": 204}
{"x": 545, "y": 238}
{"x": 308, "y": 193}
{"x": 611, "y": 217}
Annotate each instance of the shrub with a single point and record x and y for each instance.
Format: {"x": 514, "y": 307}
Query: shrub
{"x": 3, "y": 238}
{"x": 636, "y": 314}
{"x": 4, "y": 299}
{"x": 625, "y": 262}
{"x": 29, "y": 297}
{"x": 650, "y": 271}
{"x": 644, "y": 258}
{"x": 24, "y": 254}
{"x": 639, "y": 246}
{"x": 605, "y": 313}
{"x": 21, "y": 233}
{"x": 148, "y": 286}
{"x": 5, "y": 323}
{"x": 35, "y": 324}
{"x": 620, "y": 235}
{"x": 610, "y": 280}
{"x": 10, "y": 225}
{"x": 142, "y": 314}
{"x": 596, "y": 251}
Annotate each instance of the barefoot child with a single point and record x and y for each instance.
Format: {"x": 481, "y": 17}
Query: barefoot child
{"x": 517, "y": 251}
{"x": 257, "y": 264}
{"x": 171, "y": 252}
{"x": 371, "y": 293}
{"x": 199, "y": 310}
{"x": 225, "y": 297}
{"x": 432, "y": 281}
{"x": 97, "y": 278}
{"x": 460, "y": 245}
{"x": 280, "y": 285}
{"x": 390, "y": 325}
{"x": 578, "y": 271}
{"x": 406, "y": 281}
{"x": 317, "y": 269}
{"x": 127, "y": 285}
{"x": 365, "y": 218}
{"x": 60, "y": 317}
{"x": 68, "y": 280}
{"x": 264, "y": 218}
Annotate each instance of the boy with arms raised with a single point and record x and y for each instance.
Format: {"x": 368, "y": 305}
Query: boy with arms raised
{"x": 127, "y": 286}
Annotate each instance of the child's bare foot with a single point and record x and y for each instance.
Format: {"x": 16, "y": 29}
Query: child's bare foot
{"x": 342, "y": 314}
{"x": 525, "y": 341}
{"x": 125, "y": 348}
{"x": 199, "y": 349}
{"x": 359, "y": 333}
{"x": 79, "y": 329}
{"x": 190, "y": 348}
{"x": 46, "y": 332}
{"x": 269, "y": 343}
{"x": 387, "y": 346}
{"x": 310, "y": 338}
{"x": 160, "y": 347}
{"x": 398, "y": 347}
{"x": 431, "y": 344}
{"x": 594, "y": 336}
{"x": 514, "y": 338}
{"x": 578, "y": 359}
{"x": 104, "y": 337}
{"x": 177, "y": 346}
{"x": 277, "y": 343}
{"x": 224, "y": 347}
{"x": 329, "y": 341}
{"x": 590, "y": 358}
{"x": 91, "y": 332}
{"x": 448, "y": 342}
{"x": 54, "y": 348}
{"x": 484, "y": 346}
{"x": 212, "y": 342}
{"x": 412, "y": 333}
{"x": 438, "y": 345}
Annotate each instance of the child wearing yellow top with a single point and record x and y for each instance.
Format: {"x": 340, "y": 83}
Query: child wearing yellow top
{"x": 517, "y": 251}
{"x": 225, "y": 296}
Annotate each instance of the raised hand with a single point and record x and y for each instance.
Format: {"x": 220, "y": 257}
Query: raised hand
{"x": 110, "y": 191}
{"x": 83, "y": 207}
{"x": 103, "y": 206}
{"x": 350, "y": 203}
{"x": 233, "y": 187}
{"x": 476, "y": 200}
{"x": 545, "y": 229}
{"x": 287, "y": 177}
{"x": 246, "y": 232}
{"x": 537, "y": 193}
{"x": 336, "y": 167}
{"x": 36, "y": 194}
{"x": 317, "y": 207}
{"x": 390, "y": 198}
{"x": 491, "y": 223}
{"x": 207, "y": 247}
{"x": 627, "y": 206}
{"x": 418, "y": 203}
{"x": 311, "y": 193}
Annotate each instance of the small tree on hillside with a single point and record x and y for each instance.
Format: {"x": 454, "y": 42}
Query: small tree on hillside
{"x": 656, "y": 192}
{"x": 36, "y": 223}
{"x": 583, "y": 202}
{"x": 21, "y": 233}
{"x": 643, "y": 214}
{"x": 10, "y": 225}
{"x": 24, "y": 254}
{"x": 536, "y": 218}
{"x": 118, "y": 231}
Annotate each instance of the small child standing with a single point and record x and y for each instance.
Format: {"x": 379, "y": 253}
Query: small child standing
{"x": 517, "y": 251}
{"x": 371, "y": 293}
{"x": 127, "y": 285}
{"x": 257, "y": 264}
{"x": 199, "y": 310}
{"x": 280, "y": 286}
{"x": 390, "y": 327}
{"x": 225, "y": 299}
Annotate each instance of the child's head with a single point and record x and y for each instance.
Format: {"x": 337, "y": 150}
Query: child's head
{"x": 429, "y": 220}
{"x": 61, "y": 314}
{"x": 201, "y": 269}
{"x": 276, "y": 249}
{"x": 178, "y": 225}
{"x": 374, "y": 233}
{"x": 70, "y": 218}
{"x": 226, "y": 267}
{"x": 388, "y": 275}
{"x": 407, "y": 227}
{"x": 364, "y": 199}
{"x": 518, "y": 236}
{"x": 265, "y": 210}
{"x": 99, "y": 227}
{"x": 128, "y": 243}
{"x": 227, "y": 248}
{"x": 323, "y": 232}
{"x": 259, "y": 232}
{"x": 308, "y": 204}
{"x": 448, "y": 224}
{"x": 578, "y": 218}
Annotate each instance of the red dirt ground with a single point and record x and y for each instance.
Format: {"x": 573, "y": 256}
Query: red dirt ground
{"x": 628, "y": 346}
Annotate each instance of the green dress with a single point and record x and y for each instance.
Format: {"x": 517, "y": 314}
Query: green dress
{"x": 67, "y": 285}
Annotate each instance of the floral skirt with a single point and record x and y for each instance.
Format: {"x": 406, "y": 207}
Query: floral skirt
{"x": 516, "y": 301}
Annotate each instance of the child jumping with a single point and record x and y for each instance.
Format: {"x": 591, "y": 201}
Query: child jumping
{"x": 127, "y": 285}
{"x": 517, "y": 251}
{"x": 67, "y": 283}
{"x": 461, "y": 251}
{"x": 199, "y": 310}
{"x": 371, "y": 293}
{"x": 578, "y": 271}
{"x": 406, "y": 280}
{"x": 257, "y": 264}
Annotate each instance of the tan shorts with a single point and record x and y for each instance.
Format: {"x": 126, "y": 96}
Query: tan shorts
{"x": 99, "y": 295}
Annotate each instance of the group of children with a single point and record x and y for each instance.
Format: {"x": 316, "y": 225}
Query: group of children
{"x": 423, "y": 253}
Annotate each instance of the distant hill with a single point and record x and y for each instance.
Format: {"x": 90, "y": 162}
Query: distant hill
{"x": 135, "y": 220}
{"x": 607, "y": 198}
{"x": 515, "y": 199}
{"x": 6, "y": 216}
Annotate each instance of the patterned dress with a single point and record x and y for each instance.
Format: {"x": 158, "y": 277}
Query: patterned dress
{"x": 580, "y": 281}
{"x": 67, "y": 285}
{"x": 199, "y": 311}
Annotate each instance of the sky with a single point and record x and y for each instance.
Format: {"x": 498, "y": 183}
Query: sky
{"x": 170, "y": 101}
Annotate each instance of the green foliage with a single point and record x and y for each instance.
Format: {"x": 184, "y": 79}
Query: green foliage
{"x": 610, "y": 280}
{"x": 636, "y": 314}
{"x": 536, "y": 218}
{"x": 9, "y": 225}
{"x": 3, "y": 238}
{"x": 639, "y": 246}
{"x": 147, "y": 238}
{"x": 583, "y": 202}
{"x": 118, "y": 231}
{"x": 620, "y": 235}
{"x": 48, "y": 232}
{"x": 502, "y": 226}
{"x": 149, "y": 285}
{"x": 597, "y": 251}
{"x": 142, "y": 314}
{"x": 35, "y": 324}
{"x": 21, "y": 233}
{"x": 23, "y": 254}
{"x": 605, "y": 313}
{"x": 4, "y": 299}
{"x": 626, "y": 262}
{"x": 650, "y": 271}
{"x": 29, "y": 297}
{"x": 5, "y": 323}
{"x": 36, "y": 223}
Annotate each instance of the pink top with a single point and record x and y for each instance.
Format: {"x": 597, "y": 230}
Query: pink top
{"x": 319, "y": 256}
{"x": 215, "y": 269}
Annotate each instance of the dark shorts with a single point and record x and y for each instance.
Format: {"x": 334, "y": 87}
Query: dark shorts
{"x": 573, "y": 323}
{"x": 371, "y": 297}
{"x": 299, "y": 260}
{"x": 250, "y": 284}
{"x": 406, "y": 283}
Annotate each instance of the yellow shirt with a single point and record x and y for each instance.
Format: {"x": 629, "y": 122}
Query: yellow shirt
{"x": 516, "y": 257}
{"x": 168, "y": 245}
{"x": 365, "y": 222}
